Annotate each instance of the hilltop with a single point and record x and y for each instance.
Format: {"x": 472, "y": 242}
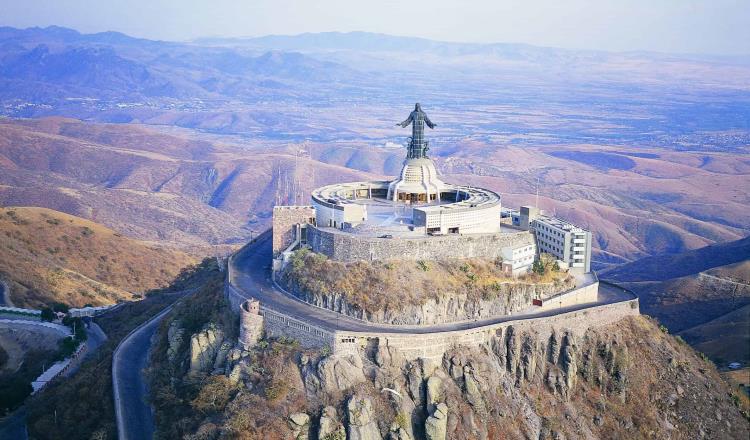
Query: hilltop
{"x": 626, "y": 380}
{"x": 702, "y": 294}
{"x": 416, "y": 292}
{"x": 48, "y": 256}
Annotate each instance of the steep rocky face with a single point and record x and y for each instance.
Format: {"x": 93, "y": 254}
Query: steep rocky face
{"x": 627, "y": 380}
{"x": 449, "y": 307}
{"x": 361, "y": 420}
{"x": 206, "y": 350}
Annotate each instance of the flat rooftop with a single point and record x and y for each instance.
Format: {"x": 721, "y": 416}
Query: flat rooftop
{"x": 560, "y": 223}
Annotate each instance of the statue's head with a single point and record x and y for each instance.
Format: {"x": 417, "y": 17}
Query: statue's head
{"x": 417, "y": 108}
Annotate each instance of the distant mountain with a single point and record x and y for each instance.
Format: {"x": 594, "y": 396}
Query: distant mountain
{"x": 665, "y": 267}
{"x": 53, "y": 64}
{"x": 90, "y": 68}
{"x": 702, "y": 294}
{"x": 58, "y": 34}
{"x": 359, "y": 41}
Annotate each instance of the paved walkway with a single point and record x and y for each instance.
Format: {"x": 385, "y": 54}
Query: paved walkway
{"x": 250, "y": 274}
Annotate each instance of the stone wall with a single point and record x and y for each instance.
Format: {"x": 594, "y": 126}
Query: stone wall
{"x": 433, "y": 345}
{"x": 348, "y": 247}
{"x": 251, "y": 324}
{"x": 277, "y": 324}
{"x": 285, "y": 218}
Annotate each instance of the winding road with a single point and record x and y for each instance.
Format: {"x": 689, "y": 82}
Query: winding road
{"x": 135, "y": 419}
{"x": 250, "y": 274}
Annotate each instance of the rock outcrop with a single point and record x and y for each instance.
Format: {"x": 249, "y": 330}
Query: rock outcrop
{"x": 339, "y": 373}
{"x": 300, "y": 425}
{"x": 530, "y": 382}
{"x": 175, "y": 337}
{"x": 204, "y": 347}
{"x": 435, "y": 428}
{"x": 330, "y": 427}
{"x": 509, "y": 298}
{"x": 362, "y": 423}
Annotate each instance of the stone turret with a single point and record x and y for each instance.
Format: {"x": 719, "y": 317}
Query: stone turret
{"x": 251, "y": 323}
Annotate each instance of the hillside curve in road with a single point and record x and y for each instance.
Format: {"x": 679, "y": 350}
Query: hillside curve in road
{"x": 250, "y": 275}
{"x": 133, "y": 414}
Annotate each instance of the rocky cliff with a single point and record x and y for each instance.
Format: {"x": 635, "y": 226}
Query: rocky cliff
{"x": 421, "y": 293}
{"x": 627, "y": 380}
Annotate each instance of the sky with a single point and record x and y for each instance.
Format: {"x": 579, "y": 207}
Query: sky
{"x": 680, "y": 26}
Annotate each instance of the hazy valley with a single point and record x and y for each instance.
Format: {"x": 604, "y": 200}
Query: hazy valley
{"x": 126, "y": 161}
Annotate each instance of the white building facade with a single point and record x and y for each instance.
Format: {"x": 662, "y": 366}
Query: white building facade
{"x": 565, "y": 241}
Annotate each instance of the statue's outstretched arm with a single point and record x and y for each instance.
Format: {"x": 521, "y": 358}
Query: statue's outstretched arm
{"x": 407, "y": 121}
{"x": 428, "y": 122}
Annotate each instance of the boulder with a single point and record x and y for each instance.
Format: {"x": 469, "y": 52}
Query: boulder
{"x": 204, "y": 346}
{"x": 362, "y": 425}
{"x": 330, "y": 427}
{"x": 435, "y": 427}
{"x": 221, "y": 355}
{"x": 175, "y": 336}
{"x": 300, "y": 425}
{"x": 339, "y": 373}
{"x": 433, "y": 391}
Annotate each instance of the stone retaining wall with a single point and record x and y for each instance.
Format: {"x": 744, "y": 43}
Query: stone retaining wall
{"x": 432, "y": 345}
{"x": 285, "y": 219}
{"x": 342, "y": 246}
{"x": 278, "y": 324}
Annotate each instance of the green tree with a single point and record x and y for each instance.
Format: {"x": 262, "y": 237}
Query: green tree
{"x": 48, "y": 314}
{"x": 538, "y": 267}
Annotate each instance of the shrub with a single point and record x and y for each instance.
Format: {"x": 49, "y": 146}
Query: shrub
{"x": 278, "y": 389}
{"x": 538, "y": 267}
{"x": 48, "y": 314}
{"x": 422, "y": 265}
{"x": 325, "y": 351}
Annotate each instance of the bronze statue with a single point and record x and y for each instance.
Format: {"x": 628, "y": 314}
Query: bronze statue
{"x": 417, "y": 145}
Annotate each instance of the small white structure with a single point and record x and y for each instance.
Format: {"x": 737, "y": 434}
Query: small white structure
{"x": 89, "y": 311}
{"x": 518, "y": 260}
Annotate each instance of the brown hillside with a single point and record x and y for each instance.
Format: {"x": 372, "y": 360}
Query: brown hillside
{"x": 51, "y": 256}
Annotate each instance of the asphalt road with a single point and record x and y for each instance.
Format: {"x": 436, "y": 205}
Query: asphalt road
{"x": 251, "y": 275}
{"x": 135, "y": 419}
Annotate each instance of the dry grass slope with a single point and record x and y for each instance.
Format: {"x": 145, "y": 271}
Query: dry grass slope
{"x": 50, "y": 256}
{"x": 382, "y": 285}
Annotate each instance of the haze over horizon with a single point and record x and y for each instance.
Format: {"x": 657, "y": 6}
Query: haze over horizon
{"x": 672, "y": 26}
